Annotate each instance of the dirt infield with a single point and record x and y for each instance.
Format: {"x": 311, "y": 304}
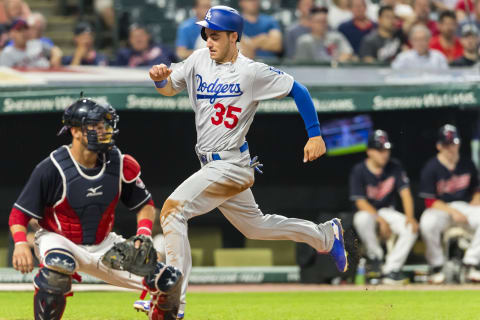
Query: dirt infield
{"x": 263, "y": 287}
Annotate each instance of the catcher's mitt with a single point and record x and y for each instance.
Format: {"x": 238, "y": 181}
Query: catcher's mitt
{"x": 124, "y": 256}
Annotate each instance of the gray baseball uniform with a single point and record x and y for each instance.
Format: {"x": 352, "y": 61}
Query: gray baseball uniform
{"x": 225, "y": 98}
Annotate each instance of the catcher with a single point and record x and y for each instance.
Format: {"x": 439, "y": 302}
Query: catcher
{"x": 73, "y": 194}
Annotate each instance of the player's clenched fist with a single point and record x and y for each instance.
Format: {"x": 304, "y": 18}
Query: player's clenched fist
{"x": 22, "y": 259}
{"x": 159, "y": 72}
{"x": 314, "y": 149}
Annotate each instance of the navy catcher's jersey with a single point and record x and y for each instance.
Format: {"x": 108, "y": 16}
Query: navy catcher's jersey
{"x": 377, "y": 190}
{"x": 44, "y": 189}
{"x": 437, "y": 182}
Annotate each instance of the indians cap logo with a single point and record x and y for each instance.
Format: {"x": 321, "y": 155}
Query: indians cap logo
{"x": 209, "y": 15}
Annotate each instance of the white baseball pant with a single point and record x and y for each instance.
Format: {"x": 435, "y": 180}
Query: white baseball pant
{"x": 365, "y": 225}
{"x": 433, "y": 222}
{"x": 88, "y": 257}
{"x": 226, "y": 185}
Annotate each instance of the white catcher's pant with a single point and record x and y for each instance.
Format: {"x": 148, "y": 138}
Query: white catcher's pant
{"x": 433, "y": 222}
{"x": 88, "y": 257}
{"x": 226, "y": 184}
{"x": 365, "y": 225}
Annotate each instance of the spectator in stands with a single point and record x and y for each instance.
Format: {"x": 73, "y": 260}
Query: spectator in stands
{"x": 357, "y": 28}
{"x": 104, "y": 8}
{"x": 36, "y": 27}
{"x": 188, "y": 33}
{"x": 299, "y": 28}
{"x": 475, "y": 19}
{"x": 447, "y": 42}
{"x": 420, "y": 57}
{"x": 37, "y": 24}
{"x": 142, "y": 52}
{"x": 85, "y": 53}
{"x": 383, "y": 44}
{"x": 339, "y": 11}
{"x": 13, "y": 9}
{"x": 261, "y": 37}
{"x": 470, "y": 43}
{"x": 421, "y": 15}
{"x": 322, "y": 44}
{"x": 26, "y": 53}
{"x": 461, "y": 9}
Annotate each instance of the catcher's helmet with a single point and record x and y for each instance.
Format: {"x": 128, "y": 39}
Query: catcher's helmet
{"x": 448, "y": 134}
{"x": 378, "y": 139}
{"x": 86, "y": 112}
{"x": 222, "y": 18}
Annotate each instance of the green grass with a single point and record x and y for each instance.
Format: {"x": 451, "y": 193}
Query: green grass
{"x": 268, "y": 306}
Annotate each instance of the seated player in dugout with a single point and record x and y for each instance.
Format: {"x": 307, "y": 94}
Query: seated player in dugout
{"x": 449, "y": 185}
{"x": 73, "y": 193}
{"x": 373, "y": 183}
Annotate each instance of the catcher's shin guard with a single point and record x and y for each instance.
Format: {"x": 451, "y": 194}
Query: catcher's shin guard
{"x": 164, "y": 285}
{"x": 52, "y": 283}
{"x": 49, "y": 300}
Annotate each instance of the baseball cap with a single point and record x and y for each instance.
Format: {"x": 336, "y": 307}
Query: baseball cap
{"x": 448, "y": 134}
{"x": 82, "y": 27}
{"x": 18, "y": 24}
{"x": 378, "y": 139}
{"x": 469, "y": 29}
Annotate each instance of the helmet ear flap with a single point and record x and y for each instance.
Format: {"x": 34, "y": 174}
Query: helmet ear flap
{"x": 203, "y": 34}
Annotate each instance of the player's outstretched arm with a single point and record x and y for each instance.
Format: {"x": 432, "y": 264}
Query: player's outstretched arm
{"x": 315, "y": 146}
{"x": 160, "y": 74}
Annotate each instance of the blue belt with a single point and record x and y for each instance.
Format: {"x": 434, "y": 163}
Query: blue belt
{"x": 244, "y": 147}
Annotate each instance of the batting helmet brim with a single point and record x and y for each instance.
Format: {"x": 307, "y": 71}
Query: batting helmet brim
{"x": 207, "y": 24}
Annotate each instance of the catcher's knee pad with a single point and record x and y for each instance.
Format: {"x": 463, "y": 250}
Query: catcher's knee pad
{"x": 60, "y": 260}
{"x": 51, "y": 288}
{"x": 164, "y": 278}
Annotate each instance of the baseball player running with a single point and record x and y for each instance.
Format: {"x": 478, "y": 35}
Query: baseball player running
{"x": 449, "y": 185}
{"x": 373, "y": 184}
{"x": 73, "y": 194}
{"x": 224, "y": 88}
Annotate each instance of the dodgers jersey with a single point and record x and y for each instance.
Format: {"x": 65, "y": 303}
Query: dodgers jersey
{"x": 225, "y": 96}
{"x": 437, "y": 182}
{"x": 379, "y": 190}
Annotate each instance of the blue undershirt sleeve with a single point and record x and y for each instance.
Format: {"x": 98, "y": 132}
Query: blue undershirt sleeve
{"x": 305, "y": 106}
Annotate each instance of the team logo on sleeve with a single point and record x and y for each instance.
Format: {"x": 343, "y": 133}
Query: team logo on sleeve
{"x": 280, "y": 72}
{"x": 216, "y": 90}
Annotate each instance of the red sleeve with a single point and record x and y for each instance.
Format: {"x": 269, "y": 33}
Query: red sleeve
{"x": 429, "y": 202}
{"x": 131, "y": 169}
{"x": 18, "y": 217}
{"x": 150, "y": 202}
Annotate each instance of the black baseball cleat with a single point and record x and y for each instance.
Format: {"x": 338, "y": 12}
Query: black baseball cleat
{"x": 395, "y": 278}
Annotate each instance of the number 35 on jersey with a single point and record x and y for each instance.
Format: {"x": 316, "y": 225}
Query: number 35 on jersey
{"x": 227, "y": 116}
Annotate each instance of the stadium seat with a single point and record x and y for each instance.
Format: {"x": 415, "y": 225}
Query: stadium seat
{"x": 283, "y": 250}
{"x": 197, "y": 257}
{"x": 243, "y": 257}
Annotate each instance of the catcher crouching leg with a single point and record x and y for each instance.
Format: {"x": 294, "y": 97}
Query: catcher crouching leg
{"x": 52, "y": 283}
{"x": 138, "y": 256}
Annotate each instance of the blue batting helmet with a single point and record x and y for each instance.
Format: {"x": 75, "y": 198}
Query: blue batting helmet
{"x": 222, "y": 18}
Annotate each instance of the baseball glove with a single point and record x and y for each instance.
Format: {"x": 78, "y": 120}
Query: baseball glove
{"x": 124, "y": 256}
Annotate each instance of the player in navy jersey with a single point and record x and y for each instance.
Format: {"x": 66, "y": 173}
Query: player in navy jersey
{"x": 73, "y": 194}
{"x": 449, "y": 185}
{"x": 373, "y": 184}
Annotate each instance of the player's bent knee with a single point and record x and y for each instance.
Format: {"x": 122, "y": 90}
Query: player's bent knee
{"x": 60, "y": 260}
{"x": 172, "y": 209}
{"x": 164, "y": 278}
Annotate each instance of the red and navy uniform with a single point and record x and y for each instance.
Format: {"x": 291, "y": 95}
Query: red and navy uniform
{"x": 439, "y": 183}
{"x": 77, "y": 202}
{"x": 379, "y": 190}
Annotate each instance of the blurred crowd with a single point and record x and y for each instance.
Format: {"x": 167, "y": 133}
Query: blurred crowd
{"x": 407, "y": 34}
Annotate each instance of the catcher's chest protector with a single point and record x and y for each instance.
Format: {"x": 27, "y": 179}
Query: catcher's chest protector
{"x": 87, "y": 208}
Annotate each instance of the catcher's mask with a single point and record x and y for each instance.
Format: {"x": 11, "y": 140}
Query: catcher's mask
{"x": 97, "y": 121}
